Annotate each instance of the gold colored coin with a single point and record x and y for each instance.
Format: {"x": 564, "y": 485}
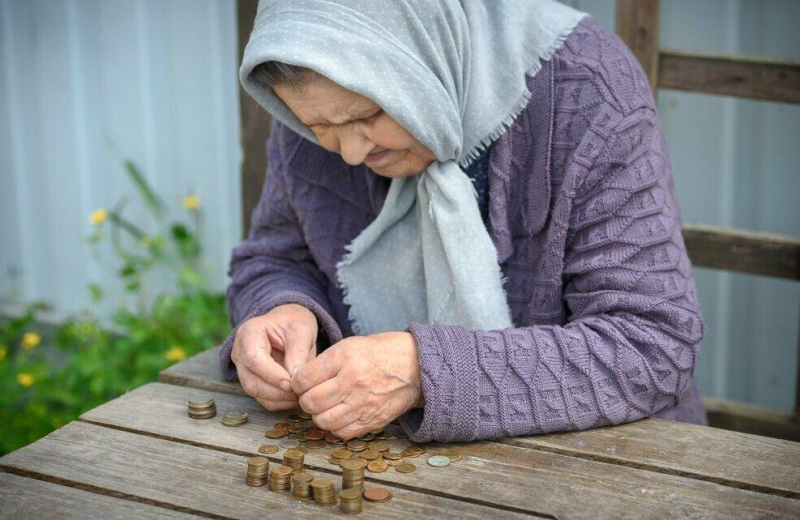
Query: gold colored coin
{"x": 406, "y": 467}
{"x": 333, "y": 460}
{"x": 393, "y": 455}
{"x": 357, "y": 445}
{"x": 378, "y": 495}
{"x": 315, "y": 445}
{"x": 305, "y": 415}
{"x": 266, "y": 449}
{"x": 377, "y": 466}
{"x": 411, "y": 454}
{"x": 275, "y": 434}
{"x": 282, "y": 471}
{"x": 321, "y": 483}
{"x": 379, "y": 446}
{"x": 353, "y": 464}
{"x": 451, "y": 453}
{"x": 395, "y": 462}
{"x": 341, "y": 453}
{"x": 333, "y": 439}
{"x": 283, "y": 426}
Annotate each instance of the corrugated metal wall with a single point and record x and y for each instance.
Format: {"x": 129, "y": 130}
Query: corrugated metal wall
{"x": 85, "y": 82}
{"x": 157, "y": 79}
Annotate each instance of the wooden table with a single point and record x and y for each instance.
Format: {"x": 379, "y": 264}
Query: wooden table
{"x": 141, "y": 456}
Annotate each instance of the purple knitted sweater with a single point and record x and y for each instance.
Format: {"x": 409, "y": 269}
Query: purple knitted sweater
{"x": 583, "y": 214}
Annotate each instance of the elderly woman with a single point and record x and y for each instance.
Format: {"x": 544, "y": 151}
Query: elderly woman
{"x": 468, "y": 224}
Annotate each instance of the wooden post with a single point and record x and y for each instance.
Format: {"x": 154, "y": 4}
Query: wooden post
{"x": 637, "y": 25}
{"x": 255, "y": 125}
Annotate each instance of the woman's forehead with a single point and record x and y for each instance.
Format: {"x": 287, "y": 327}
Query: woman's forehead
{"x": 321, "y": 101}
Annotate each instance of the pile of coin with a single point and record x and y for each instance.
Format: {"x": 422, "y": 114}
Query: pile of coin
{"x": 202, "y": 408}
{"x": 294, "y": 458}
{"x": 324, "y": 494}
{"x": 302, "y": 486}
{"x": 234, "y": 418}
{"x": 350, "y": 501}
{"x": 353, "y": 473}
{"x": 257, "y": 471}
{"x": 280, "y": 479}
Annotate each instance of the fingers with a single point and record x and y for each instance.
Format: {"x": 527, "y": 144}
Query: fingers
{"x": 299, "y": 348}
{"x": 322, "y": 397}
{"x": 255, "y": 386}
{"x": 277, "y": 406}
{"x": 352, "y": 430}
{"x": 254, "y": 355}
{"x": 321, "y": 368}
{"x": 336, "y": 418}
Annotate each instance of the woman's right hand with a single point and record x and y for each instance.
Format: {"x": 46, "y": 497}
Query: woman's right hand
{"x": 268, "y": 348}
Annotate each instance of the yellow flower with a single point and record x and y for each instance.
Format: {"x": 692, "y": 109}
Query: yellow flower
{"x": 25, "y": 379}
{"x": 192, "y": 202}
{"x": 3, "y": 352}
{"x": 175, "y": 354}
{"x": 145, "y": 241}
{"x": 30, "y": 340}
{"x": 98, "y": 216}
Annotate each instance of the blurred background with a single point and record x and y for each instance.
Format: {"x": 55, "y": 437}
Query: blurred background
{"x": 123, "y": 191}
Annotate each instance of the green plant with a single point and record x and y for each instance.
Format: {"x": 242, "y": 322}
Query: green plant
{"x": 47, "y": 383}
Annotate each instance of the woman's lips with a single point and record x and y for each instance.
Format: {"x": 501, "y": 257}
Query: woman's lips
{"x": 374, "y": 159}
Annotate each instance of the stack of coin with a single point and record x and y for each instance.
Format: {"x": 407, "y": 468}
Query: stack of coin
{"x": 294, "y": 459}
{"x": 353, "y": 473}
{"x": 257, "y": 471}
{"x": 279, "y": 479}
{"x": 324, "y": 493}
{"x": 337, "y": 456}
{"x": 413, "y": 451}
{"x": 302, "y": 486}
{"x": 202, "y": 408}
{"x": 378, "y": 495}
{"x": 234, "y": 418}
{"x": 350, "y": 501}
{"x": 356, "y": 445}
{"x": 393, "y": 458}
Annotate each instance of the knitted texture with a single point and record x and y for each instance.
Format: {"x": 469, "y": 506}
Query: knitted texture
{"x": 583, "y": 215}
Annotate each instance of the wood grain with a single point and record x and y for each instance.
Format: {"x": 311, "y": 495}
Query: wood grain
{"x": 512, "y": 477}
{"x": 730, "y": 75}
{"x": 716, "y": 455}
{"x": 637, "y": 26}
{"x": 752, "y": 419}
{"x": 209, "y": 482}
{"x": 743, "y": 251}
{"x": 22, "y": 497}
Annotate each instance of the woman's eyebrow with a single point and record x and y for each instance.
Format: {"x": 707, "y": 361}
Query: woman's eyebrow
{"x": 353, "y": 116}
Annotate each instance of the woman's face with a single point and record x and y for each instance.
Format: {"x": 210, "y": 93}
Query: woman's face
{"x": 356, "y": 127}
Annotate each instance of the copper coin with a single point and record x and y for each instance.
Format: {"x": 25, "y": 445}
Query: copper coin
{"x": 282, "y": 471}
{"x": 417, "y": 449}
{"x": 368, "y": 437}
{"x": 297, "y": 418}
{"x": 406, "y": 467}
{"x": 302, "y": 477}
{"x": 379, "y": 446}
{"x": 305, "y": 415}
{"x": 411, "y": 454}
{"x": 353, "y": 464}
{"x": 333, "y": 439}
{"x": 275, "y": 434}
{"x": 266, "y": 449}
{"x": 451, "y": 453}
{"x": 341, "y": 453}
{"x": 378, "y": 495}
{"x": 395, "y": 462}
{"x": 393, "y": 455}
{"x": 315, "y": 445}
{"x": 283, "y": 426}
{"x": 321, "y": 483}
{"x": 357, "y": 445}
{"x": 377, "y": 466}
{"x": 314, "y": 435}
{"x": 333, "y": 460}
{"x": 370, "y": 454}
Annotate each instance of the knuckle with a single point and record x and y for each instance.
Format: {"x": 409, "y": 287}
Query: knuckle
{"x": 249, "y": 386}
{"x": 307, "y": 402}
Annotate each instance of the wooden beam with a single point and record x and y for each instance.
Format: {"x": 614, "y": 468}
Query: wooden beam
{"x": 254, "y": 125}
{"x": 753, "y": 419}
{"x": 637, "y": 25}
{"x": 743, "y": 251}
{"x": 730, "y": 75}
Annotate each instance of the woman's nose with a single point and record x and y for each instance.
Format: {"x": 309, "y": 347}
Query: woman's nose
{"x": 354, "y": 147}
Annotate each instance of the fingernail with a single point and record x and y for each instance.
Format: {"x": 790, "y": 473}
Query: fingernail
{"x": 286, "y": 386}
{"x": 294, "y": 370}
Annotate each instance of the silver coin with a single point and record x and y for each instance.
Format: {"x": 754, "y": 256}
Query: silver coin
{"x": 235, "y": 416}
{"x": 288, "y": 443}
{"x": 439, "y": 461}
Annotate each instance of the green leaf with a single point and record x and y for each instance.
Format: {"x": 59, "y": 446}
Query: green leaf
{"x": 95, "y": 292}
{"x": 151, "y": 199}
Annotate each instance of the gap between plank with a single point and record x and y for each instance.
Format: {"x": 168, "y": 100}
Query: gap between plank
{"x": 240, "y": 453}
{"x": 107, "y": 492}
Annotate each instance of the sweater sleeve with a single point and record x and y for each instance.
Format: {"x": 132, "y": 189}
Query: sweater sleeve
{"x": 273, "y": 266}
{"x": 631, "y": 340}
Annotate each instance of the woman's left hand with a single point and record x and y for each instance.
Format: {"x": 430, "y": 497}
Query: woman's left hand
{"x": 361, "y": 383}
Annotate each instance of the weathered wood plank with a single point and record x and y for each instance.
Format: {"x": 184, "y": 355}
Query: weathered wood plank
{"x": 637, "y": 26}
{"x": 743, "y": 251}
{"x": 701, "y": 458}
{"x": 22, "y": 497}
{"x": 206, "y": 481}
{"x": 752, "y": 419}
{"x": 255, "y": 125}
{"x": 730, "y": 75}
{"x": 517, "y": 478}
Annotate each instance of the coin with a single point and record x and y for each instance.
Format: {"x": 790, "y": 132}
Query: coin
{"x": 314, "y": 435}
{"x": 333, "y": 460}
{"x": 406, "y": 467}
{"x": 393, "y": 455}
{"x": 266, "y": 449}
{"x": 370, "y": 455}
{"x": 438, "y": 461}
{"x": 377, "y": 466}
{"x": 451, "y": 453}
{"x": 341, "y": 453}
{"x": 275, "y": 434}
{"x": 378, "y": 495}
{"x": 288, "y": 443}
{"x": 394, "y": 462}
{"x": 368, "y": 437}
{"x": 314, "y": 445}
{"x": 234, "y": 418}
{"x": 305, "y": 415}
{"x": 333, "y": 439}
{"x": 353, "y": 464}
{"x": 283, "y": 426}
{"x": 357, "y": 445}
{"x": 379, "y": 446}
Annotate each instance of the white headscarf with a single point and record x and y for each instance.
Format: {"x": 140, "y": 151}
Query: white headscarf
{"x": 453, "y": 73}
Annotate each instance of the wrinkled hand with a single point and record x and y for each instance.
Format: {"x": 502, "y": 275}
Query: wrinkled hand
{"x": 361, "y": 383}
{"x": 268, "y": 348}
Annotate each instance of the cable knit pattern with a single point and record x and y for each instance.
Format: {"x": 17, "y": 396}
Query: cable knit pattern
{"x": 583, "y": 214}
